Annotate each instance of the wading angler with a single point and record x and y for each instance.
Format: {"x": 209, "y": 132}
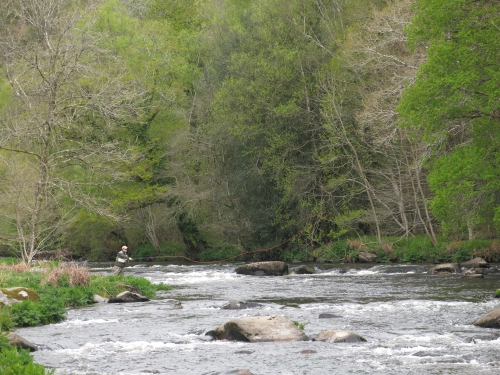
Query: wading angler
{"x": 121, "y": 260}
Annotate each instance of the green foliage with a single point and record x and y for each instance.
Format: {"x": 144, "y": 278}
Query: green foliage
{"x": 54, "y": 299}
{"x": 112, "y": 285}
{"x": 340, "y": 252}
{"x": 48, "y": 310}
{"x": 455, "y": 178}
{"x": 265, "y": 113}
{"x": 213, "y": 254}
{"x": 20, "y": 362}
{"x": 301, "y": 326}
{"x": 6, "y": 323}
{"x": 455, "y": 101}
{"x": 297, "y": 252}
{"x": 146, "y": 251}
{"x": 69, "y": 296}
{"x": 86, "y": 237}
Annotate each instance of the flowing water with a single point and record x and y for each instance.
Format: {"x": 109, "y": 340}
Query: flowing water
{"x": 414, "y": 323}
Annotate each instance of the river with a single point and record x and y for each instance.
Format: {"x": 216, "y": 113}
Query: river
{"x": 414, "y": 323}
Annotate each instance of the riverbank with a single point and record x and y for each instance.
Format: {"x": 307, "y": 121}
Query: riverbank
{"x": 52, "y": 287}
{"x": 417, "y": 249}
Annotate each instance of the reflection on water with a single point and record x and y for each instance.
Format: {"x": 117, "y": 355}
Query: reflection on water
{"x": 414, "y": 323}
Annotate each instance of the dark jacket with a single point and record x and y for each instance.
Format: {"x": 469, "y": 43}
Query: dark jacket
{"x": 121, "y": 258}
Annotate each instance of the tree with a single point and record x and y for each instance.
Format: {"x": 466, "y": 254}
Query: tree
{"x": 263, "y": 118}
{"x": 454, "y": 102}
{"x": 68, "y": 96}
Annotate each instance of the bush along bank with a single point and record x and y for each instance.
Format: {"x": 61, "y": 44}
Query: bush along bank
{"x": 418, "y": 249}
{"x": 48, "y": 289}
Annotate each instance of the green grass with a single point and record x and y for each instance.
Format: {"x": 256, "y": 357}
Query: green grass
{"x": 57, "y": 291}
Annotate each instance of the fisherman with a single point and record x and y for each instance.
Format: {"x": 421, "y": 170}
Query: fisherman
{"x": 121, "y": 259}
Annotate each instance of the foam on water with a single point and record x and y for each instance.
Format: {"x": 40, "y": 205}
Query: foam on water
{"x": 79, "y": 322}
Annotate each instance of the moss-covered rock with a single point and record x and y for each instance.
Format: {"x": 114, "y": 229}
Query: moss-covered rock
{"x": 20, "y": 294}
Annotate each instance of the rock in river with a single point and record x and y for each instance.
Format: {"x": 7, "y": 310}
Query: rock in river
{"x": 445, "y": 268}
{"x": 240, "y": 305}
{"x": 259, "y": 329}
{"x": 489, "y": 320}
{"x": 128, "y": 297}
{"x": 20, "y": 342}
{"x": 338, "y": 335}
{"x": 272, "y": 268}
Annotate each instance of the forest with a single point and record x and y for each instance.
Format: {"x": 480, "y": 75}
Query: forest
{"x": 208, "y": 129}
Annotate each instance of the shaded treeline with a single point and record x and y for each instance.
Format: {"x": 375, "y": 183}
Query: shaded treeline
{"x": 206, "y": 128}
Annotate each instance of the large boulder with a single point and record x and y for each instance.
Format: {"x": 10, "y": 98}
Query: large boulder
{"x": 365, "y": 257}
{"x": 259, "y": 329}
{"x": 338, "y": 335}
{"x": 272, "y": 268}
{"x": 475, "y": 263}
{"x": 21, "y": 294}
{"x": 489, "y": 320}
{"x": 20, "y": 342}
{"x": 128, "y": 297}
{"x": 445, "y": 268}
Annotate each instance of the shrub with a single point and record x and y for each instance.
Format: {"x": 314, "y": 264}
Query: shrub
{"x": 490, "y": 253}
{"x": 341, "y": 252}
{"x": 6, "y": 322}
{"x": 67, "y": 275}
{"x": 49, "y": 310}
{"x": 20, "y": 362}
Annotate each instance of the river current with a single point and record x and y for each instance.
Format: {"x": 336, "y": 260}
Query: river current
{"x": 414, "y": 323}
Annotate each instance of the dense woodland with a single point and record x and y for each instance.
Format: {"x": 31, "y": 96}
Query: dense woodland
{"x": 208, "y": 128}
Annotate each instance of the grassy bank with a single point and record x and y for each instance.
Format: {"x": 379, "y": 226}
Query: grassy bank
{"x": 58, "y": 286}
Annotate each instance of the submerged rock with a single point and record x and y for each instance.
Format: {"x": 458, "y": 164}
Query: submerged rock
{"x": 271, "y": 268}
{"x": 327, "y": 316}
{"x": 240, "y": 305}
{"x": 259, "y": 329}
{"x": 338, "y": 335}
{"x": 474, "y": 273}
